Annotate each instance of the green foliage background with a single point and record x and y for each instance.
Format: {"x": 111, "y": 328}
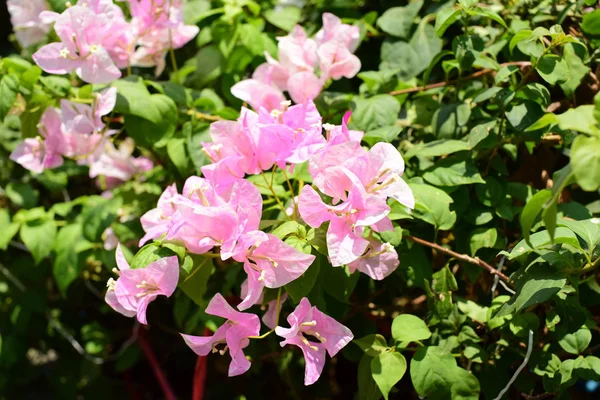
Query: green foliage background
{"x": 492, "y": 105}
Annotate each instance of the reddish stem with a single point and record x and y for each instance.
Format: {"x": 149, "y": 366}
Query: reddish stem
{"x": 200, "y": 374}
{"x": 158, "y": 372}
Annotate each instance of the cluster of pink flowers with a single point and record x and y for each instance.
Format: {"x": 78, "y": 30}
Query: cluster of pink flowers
{"x": 222, "y": 211}
{"x": 25, "y": 18}
{"x": 96, "y": 40}
{"x": 76, "y": 130}
{"x": 304, "y": 65}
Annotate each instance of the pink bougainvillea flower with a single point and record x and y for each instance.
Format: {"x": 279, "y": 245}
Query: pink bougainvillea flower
{"x": 25, "y": 19}
{"x": 118, "y": 165}
{"x": 380, "y": 172}
{"x": 131, "y": 293}
{"x": 34, "y": 155}
{"x": 38, "y": 154}
{"x": 156, "y": 221}
{"x": 205, "y": 217}
{"x": 325, "y": 334}
{"x": 297, "y": 52}
{"x": 379, "y": 261}
{"x": 82, "y": 33}
{"x": 335, "y": 30}
{"x": 337, "y": 61}
{"x": 271, "y": 316}
{"x": 347, "y": 220}
{"x": 83, "y": 118}
{"x": 234, "y": 333}
{"x": 269, "y": 262}
{"x": 258, "y": 94}
{"x": 159, "y": 26}
{"x": 304, "y": 86}
{"x": 256, "y": 142}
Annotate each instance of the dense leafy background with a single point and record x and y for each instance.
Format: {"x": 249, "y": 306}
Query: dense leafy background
{"x": 492, "y": 105}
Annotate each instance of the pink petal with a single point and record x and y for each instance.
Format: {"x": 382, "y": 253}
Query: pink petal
{"x": 377, "y": 266}
{"x": 48, "y": 59}
{"x": 254, "y": 288}
{"x": 113, "y": 302}
{"x": 343, "y": 244}
{"x": 98, "y": 68}
{"x": 165, "y": 274}
{"x": 312, "y": 209}
{"x": 258, "y": 94}
{"x": 337, "y": 335}
{"x": 304, "y": 86}
{"x": 121, "y": 260}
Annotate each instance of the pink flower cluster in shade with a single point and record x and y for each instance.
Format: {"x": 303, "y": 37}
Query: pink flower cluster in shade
{"x": 304, "y": 66}
{"x": 77, "y": 131}
{"x": 25, "y": 19}
{"x": 96, "y": 41}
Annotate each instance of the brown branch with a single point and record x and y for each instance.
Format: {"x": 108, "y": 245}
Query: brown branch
{"x": 472, "y": 260}
{"x": 475, "y": 75}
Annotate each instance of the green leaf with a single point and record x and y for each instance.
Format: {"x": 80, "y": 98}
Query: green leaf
{"x": 482, "y": 238}
{"x": 387, "y": 370}
{"x": 537, "y": 285}
{"x": 588, "y": 230}
{"x": 22, "y": 194}
{"x": 542, "y": 240}
{"x": 553, "y": 69}
{"x": 367, "y": 388}
{"x": 194, "y": 281}
{"x": 444, "y": 18}
{"x": 467, "y": 49}
{"x": 148, "y": 133}
{"x": 9, "y": 87}
{"x": 591, "y": 23}
{"x": 437, "y": 148}
{"x": 576, "y": 343}
{"x": 453, "y": 171}
{"x": 9, "y": 229}
{"x": 577, "y": 68}
{"x": 300, "y": 287}
{"x": 523, "y": 115}
{"x": 397, "y": 21}
{"x": 484, "y": 12}
{"x": 532, "y": 209}
{"x": 97, "y": 215}
{"x": 409, "y": 328}
{"x": 432, "y": 205}
{"x": 435, "y": 375}
{"x": 374, "y": 112}
{"x": 67, "y": 265}
{"x": 450, "y": 121}
{"x": 284, "y": 17}
{"x": 154, "y": 252}
{"x": 39, "y": 237}
{"x": 177, "y": 151}
{"x": 372, "y": 345}
{"x": 580, "y": 119}
{"x": 585, "y": 161}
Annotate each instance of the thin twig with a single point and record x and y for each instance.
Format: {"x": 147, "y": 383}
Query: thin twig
{"x": 475, "y": 75}
{"x": 518, "y": 371}
{"x": 207, "y": 117}
{"x": 496, "y": 277}
{"x": 464, "y": 257}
